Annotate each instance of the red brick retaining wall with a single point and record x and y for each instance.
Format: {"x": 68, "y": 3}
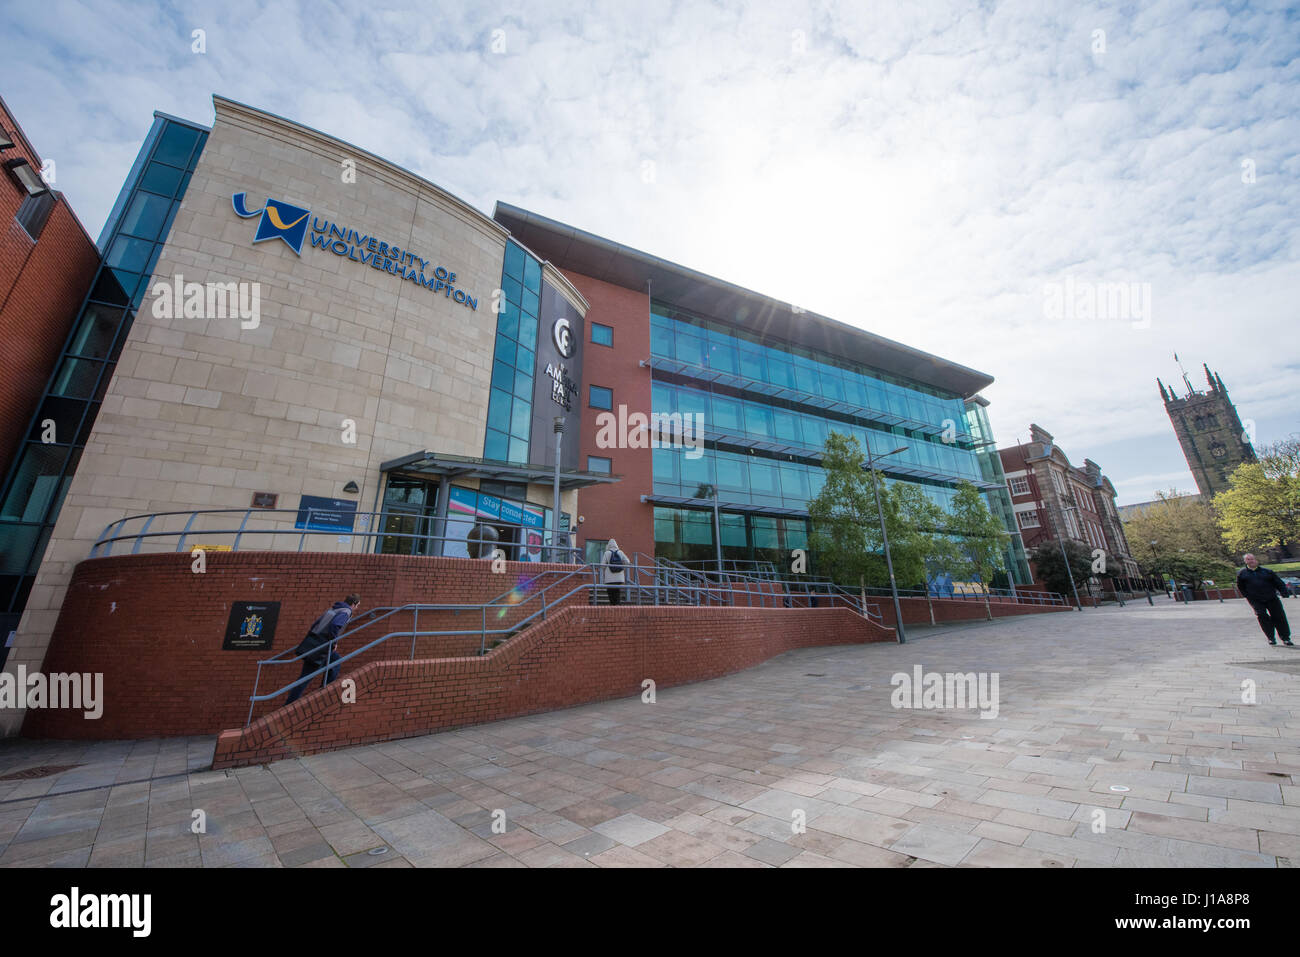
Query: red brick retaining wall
{"x": 579, "y": 656}
{"x": 154, "y": 628}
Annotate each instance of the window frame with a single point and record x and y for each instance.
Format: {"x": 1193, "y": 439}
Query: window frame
{"x": 609, "y": 329}
{"x": 591, "y": 395}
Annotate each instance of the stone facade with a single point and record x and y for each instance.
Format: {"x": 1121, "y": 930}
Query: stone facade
{"x": 203, "y": 412}
{"x": 1209, "y": 431}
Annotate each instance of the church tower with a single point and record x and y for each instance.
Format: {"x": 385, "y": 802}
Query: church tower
{"x": 1209, "y": 431}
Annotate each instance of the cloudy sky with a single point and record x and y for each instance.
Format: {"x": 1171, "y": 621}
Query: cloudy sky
{"x": 960, "y": 177}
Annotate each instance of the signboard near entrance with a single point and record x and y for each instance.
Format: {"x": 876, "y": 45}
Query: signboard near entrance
{"x": 325, "y": 514}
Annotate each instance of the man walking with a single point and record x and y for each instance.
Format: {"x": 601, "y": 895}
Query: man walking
{"x": 320, "y": 638}
{"x": 1261, "y": 587}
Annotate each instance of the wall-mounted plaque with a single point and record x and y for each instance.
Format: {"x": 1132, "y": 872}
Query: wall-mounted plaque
{"x": 251, "y": 626}
{"x": 265, "y": 499}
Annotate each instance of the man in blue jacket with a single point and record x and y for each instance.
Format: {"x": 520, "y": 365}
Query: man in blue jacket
{"x": 321, "y": 636}
{"x": 1261, "y": 587}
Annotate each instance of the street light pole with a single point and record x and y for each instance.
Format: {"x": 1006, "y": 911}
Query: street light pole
{"x": 1065, "y": 558}
{"x": 555, "y": 534}
{"x": 884, "y": 535}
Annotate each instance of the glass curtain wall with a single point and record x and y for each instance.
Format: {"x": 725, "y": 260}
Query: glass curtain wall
{"x": 132, "y": 240}
{"x": 514, "y": 360}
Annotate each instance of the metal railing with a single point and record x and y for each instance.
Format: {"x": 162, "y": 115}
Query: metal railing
{"x": 158, "y": 527}
{"x": 658, "y": 582}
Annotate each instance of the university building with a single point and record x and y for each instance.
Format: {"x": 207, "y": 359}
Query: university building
{"x": 293, "y": 345}
{"x": 1055, "y": 501}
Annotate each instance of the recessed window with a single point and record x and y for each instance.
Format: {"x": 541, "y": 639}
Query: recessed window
{"x": 601, "y": 398}
{"x": 33, "y": 213}
{"x": 602, "y": 335}
{"x": 1019, "y": 486}
{"x": 597, "y": 464}
{"x": 1027, "y": 519}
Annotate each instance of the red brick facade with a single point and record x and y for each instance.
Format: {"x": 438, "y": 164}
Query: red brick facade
{"x": 42, "y": 284}
{"x": 616, "y": 510}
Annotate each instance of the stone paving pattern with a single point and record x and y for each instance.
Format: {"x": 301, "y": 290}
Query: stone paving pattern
{"x": 711, "y": 774}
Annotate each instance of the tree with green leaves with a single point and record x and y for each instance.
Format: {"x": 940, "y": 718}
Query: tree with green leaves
{"x": 845, "y": 521}
{"x": 1176, "y": 521}
{"x": 1052, "y": 570}
{"x": 978, "y": 551}
{"x": 1261, "y": 506}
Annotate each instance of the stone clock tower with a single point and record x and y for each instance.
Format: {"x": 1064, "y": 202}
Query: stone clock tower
{"x": 1209, "y": 431}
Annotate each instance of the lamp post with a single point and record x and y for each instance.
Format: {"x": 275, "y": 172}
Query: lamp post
{"x": 555, "y": 533}
{"x": 1065, "y": 558}
{"x": 712, "y": 491}
{"x": 884, "y": 536}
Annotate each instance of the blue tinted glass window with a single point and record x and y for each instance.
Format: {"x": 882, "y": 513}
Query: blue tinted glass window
{"x": 496, "y": 446}
{"x": 518, "y": 450}
{"x": 665, "y": 465}
{"x": 602, "y": 335}
{"x": 505, "y": 350}
{"x": 512, "y": 289}
{"x": 524, "y": 360}
{"x": 528, "y": 332}
{"x": 758, "y": 419}
{"x": 794, "y": 482}
{"x": 532, "y": 274}
{"x": 722, "y": 357}
{"x": 523, "y": 384}
{"x": 503, "y": 377}
{"x": 726, "y": 415}
{"x": 695, "y": 472}
{"x": 663, "y": 397}
{"x": 751, "y": 364}
{"x": 661, "y": 343}
{"x": 508, "y": 321}
{"x": 597, "y": 464}
{"x": 519, "y": 419}
{"x": 601, "y": 398}
{"x": 787, "y": 426}
{"x": 528, "y": 302}
{"x": 731, "y": 471}
{"x": 514, "y": 264}
{"x": 145, "y": 216}
{"x": 690, "y": 348}
{"x": 499, "y": 410}
{"x": 763, "y": 477}
{"x": 129, "y": 253}
{"x": 175, "y": 145}
{"x": 161, "y": 179}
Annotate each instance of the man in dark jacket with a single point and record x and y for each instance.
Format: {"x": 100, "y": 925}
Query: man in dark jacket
{"x": 321, "y": 636}
{"x": 1261, "y": 587}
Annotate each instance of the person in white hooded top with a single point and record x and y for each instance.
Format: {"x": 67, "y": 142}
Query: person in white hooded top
{"x": 613, "y": 563}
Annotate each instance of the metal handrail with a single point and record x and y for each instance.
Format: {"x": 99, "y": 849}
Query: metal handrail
{"x": 288, "y": 657}
{"x": 114, "y": 532}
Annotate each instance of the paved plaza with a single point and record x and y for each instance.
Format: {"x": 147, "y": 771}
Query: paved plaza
{"x": 722, "y": 773}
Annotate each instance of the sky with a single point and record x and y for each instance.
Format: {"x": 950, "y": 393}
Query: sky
{"x": 965, "y": 178}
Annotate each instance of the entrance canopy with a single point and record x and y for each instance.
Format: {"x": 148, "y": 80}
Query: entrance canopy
{"x": 435, "y": 465}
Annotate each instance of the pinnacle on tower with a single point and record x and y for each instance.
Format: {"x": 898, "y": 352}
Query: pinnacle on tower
{"x": 1163, "y": 396}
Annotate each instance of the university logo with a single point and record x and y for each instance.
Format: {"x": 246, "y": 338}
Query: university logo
{"x": 279, "y": 221}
